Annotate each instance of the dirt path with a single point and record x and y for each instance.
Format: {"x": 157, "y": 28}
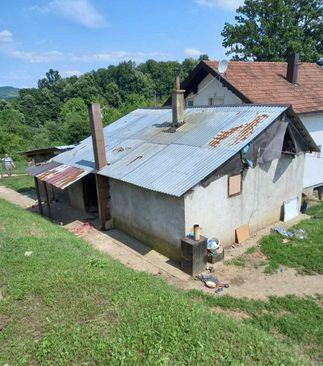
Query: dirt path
{"x": 16, "y": 198}
{"x": 244, "y": 282}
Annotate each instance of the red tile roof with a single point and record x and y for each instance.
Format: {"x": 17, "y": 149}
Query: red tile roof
{"x": 265, "y": 82}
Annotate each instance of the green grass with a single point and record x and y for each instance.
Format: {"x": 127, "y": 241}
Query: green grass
{"x": 22, "y": 184}
{"x": 295, "y": 320}
{"x": 306, "y": 255}
{"x": 239, "y": 261}
{"x": 68, "y": 304}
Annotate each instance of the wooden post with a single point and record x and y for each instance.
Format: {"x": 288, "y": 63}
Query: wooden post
{"x": 53, "y": 194}
{"x": 97, "y": 136}
{"x": 40, "y": 207}
{"x": 102, "y": 188}
{"x": 102, "y": 183}
{"x": 47, "y": 200}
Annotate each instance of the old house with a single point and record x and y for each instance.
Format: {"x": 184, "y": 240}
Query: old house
{"x": 39, "y": 156}
{"x": 294, "y": 83}
{"x": 156, "y": 172}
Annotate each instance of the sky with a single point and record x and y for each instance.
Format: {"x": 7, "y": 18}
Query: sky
{"x": 76, "y": 36}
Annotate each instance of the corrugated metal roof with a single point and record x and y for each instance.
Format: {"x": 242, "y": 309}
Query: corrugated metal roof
{"x": 141, "y": 150}
{"x": 62, "y": 176}
{"x": 38, "y": 169}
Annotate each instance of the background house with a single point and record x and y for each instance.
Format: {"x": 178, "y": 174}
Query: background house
{"x": 160, "y": 171}
{"x": 300, "y": 85}
{"x": 44, "y": 154}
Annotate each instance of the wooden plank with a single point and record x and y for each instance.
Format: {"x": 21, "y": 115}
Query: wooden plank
{"x": 40, "y": 207}
{"x": 234, "y": 185}
{"x": 103, "y": 194}
{"x": 47, "y": 200}
{"x": 97, "y": 135}
{"x": 242, "y": 233}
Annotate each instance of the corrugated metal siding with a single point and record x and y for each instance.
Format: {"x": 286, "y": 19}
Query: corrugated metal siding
{"x": 141, "y": 150}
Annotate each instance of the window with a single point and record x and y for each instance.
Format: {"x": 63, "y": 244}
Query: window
{"x": 215, "y": 101}
{"x": 190, "y": 103}
{"x": 234, "y": 185}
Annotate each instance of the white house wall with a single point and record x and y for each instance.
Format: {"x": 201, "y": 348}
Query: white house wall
{"x": 211, "y": 87}
{"x": 313, "y": 172}
{"x": 264, "y": 190}
{"x": 154, "y": 218}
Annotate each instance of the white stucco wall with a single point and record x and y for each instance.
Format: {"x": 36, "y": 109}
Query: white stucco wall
{"x": 264, "y": 190}
{"x": 76, "y": 196}
{"x": 154, "y": 218}
{"x": 313, "y": 172}
{"x": 211, "y": 87}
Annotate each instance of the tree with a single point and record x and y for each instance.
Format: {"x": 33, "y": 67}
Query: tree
{"x": 75, "y": 120}
{"x": 267, "y": 30}
{"x": 112, "y": 95}
{"x": 51, "y": 77}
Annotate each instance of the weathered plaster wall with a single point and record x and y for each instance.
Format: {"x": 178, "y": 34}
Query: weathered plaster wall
{"x": 263, "y": 192}
{"x": 76, "y": 196}
{"x": 313, "y": 172}
{"x": 211, "y": 87}
{"x": 154, "y": 218}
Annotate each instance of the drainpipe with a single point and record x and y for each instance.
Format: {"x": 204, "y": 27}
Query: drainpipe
{"x": 102, "y": 183}
{"x": 178, "y": 104}
{"x": 292, "y": 68}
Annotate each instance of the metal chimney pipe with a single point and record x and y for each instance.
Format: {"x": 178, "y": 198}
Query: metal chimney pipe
{"x": 178, "y": 104}
{"x": 97, "y": 136}
{"x": 292, "y": 68}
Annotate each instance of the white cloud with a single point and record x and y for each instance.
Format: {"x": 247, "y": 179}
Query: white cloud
{"x": 97, "y": 57}
{"x": 6, "y": 36}
{"x": 79, "y": 11}
{"x": 72, "y": 73}
{"x": 193, "y": 52}
{"x": 100, "y": 56}
{"x": 225, "y": 4}
{"x": 36, "y": 57}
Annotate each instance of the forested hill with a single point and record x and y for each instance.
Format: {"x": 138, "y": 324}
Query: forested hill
{"x": 8, "y": 92}
{"x": 55, "y": 112}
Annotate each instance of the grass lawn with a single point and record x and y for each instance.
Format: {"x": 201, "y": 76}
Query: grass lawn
{"x": 292, "y": 319}
{"x": 68, "y": 304}
{"x": 306, "y": 255}
{"x": 22, "y": 184}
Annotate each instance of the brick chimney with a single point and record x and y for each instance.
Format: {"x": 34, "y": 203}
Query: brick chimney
{"x": 292, "y": 68}
{"x": 178, "y": 104}
{"x": 97, "y": 136}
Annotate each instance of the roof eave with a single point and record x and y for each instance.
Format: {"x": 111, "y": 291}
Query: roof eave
{"x": 300, "y": 125}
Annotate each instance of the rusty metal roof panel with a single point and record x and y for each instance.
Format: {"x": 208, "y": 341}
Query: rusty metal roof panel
{"x": 141, "y": 150}
{"x": 62, "y": 176}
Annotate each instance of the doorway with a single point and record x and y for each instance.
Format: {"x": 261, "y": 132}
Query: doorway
{"x": 90, "y": 194}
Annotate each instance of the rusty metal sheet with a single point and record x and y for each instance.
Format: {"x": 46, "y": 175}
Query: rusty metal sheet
{"x": 62, "y": 176}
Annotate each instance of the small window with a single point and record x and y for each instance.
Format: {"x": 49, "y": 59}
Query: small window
{"x": 234, "y": 185}
{"x": 215, "y": 101}
{"x": 190, "y": 103}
